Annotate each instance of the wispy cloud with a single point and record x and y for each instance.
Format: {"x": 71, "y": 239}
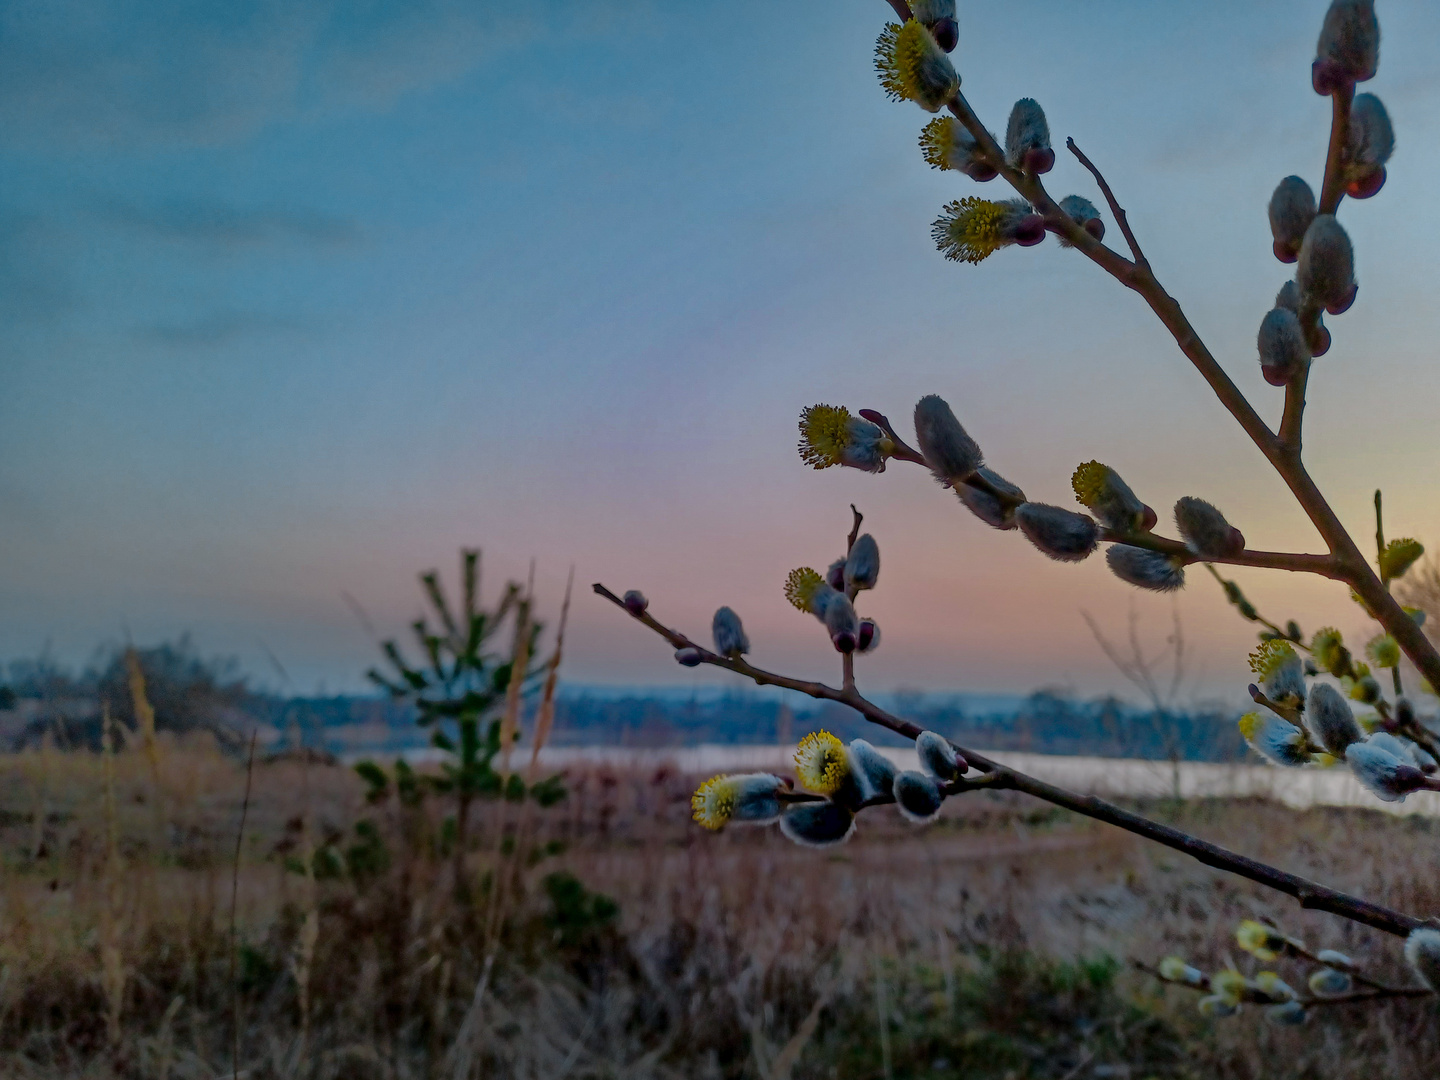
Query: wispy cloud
{"x": 218, "y": 223}
{"x": 113, "y": 72}
{"x": 216, "y": 329}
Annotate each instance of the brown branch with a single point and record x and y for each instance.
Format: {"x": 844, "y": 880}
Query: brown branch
{"x": 1310, "y": 894}
{"x": 1333, "y": 189}
{"x": 1115, "y": 209}
{"x": 1377, "y": 993}
{"x": 1291, "y": 420}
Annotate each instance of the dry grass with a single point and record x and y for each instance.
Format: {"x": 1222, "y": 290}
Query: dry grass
{"x": 973, "y": 948}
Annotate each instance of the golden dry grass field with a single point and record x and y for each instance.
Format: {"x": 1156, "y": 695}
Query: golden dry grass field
{"x": 608, "y": 936}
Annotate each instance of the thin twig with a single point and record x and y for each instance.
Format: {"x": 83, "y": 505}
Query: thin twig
{"x": 234, "y": 904}
{"x": 1115, "y": 208}
{"x": 1310, "y": 894}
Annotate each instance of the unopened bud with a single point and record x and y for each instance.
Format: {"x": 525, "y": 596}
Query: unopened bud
{"x": 862, "y": 566}
{"x": 835, "y": 575}
{"x": 950, "y": 453}
{"x": 1099, "y": 489}
{"x": 1328, "y": 982}
{"x": 688, "y": 657}
{"x": 1175, "y": 969}
{"x": 1082, "y": 211}
{"x": 1422, "y": 952}
{"x": 729, "y": 633}
{"x": 818, "y": 824}
{"x": 1383, "y": 773}
{"x": 867, "y": 639}
{"x": 842, "y": 623}
{"x": 1283, "y": 349}
{"x": 1145, "y": 569}
{"x": 1326, "y": 271}
{"x": 1058, "y": 533}
{"x": 874, "y": 773}
{"x": 912, "y": 66}
{"x": 1287, "y": 1014}
{"x": 1027, "y": 138}
{"x": 995, "y": 512}
{"x": 1328, "y": 648}
{"x": 1366, "y": 690}
{"x": 937, "y": 756}
{"x": 918, "y": 797}
{"x": 1205, "y": 530}
{"x": 1292, "y": 209}
{"x": 635, "y": 602}
{"x": 1370, "y": 144}
{"x": 1328, "y": 715}
{"x": 1274, "y": 739}
{"x": 1289, "y": 297}
{"x": 938, "y": 16}
{"x": 1349, "y": 47}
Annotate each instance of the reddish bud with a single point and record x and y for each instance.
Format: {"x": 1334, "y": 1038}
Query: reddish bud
{"x": 635, "y": 602}
{"x": 1367, "y": 185}
{"x": 835, "y": 575}
{"x": 1286, "y": 253}
{"x": 1030, "y": 231}
{"x": 1320, "y": 342}
{"x": 946, "y": 33}
{"x": 1040, "y": 160}
{"x": 1096, "y": 228}
{"x": 1328, "y": 76}
{"x": 866, "y": 639}
{"x": 1275, "y": 376}
{"x": 687, "y": 657}
{"x": 1343, "y": 304}
{"x": 844, "y": 641}
{"x": 982, "y": 173}
{"x": 1148, "y": 519}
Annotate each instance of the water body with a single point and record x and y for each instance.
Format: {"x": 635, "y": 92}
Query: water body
{"x": 1106, "y": 777}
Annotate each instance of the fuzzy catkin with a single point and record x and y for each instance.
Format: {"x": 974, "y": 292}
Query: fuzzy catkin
{"x": 1328, "y": 716}
{"x": 819, "y": 824}
{"x": 949, "y": 451}
{"x": 1292, "y": 209}
{"x": 1282, "y": 346}
{"x": 1027, "y": 137}
{"x": 862, "y": 566}
{"x": 1326, "y": 270}
{"x": 729, "y": 633}
{"x": 993, "y": 511}
{"x": 918, "y": 797}
{"x": 1058, "y": 533}
{"x": 1145, "y": 569}
{"x": 1205, "y": 530}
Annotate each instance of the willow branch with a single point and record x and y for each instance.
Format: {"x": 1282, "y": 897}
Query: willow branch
{"x": 1376, "y": 993}
{"x": 1115, "y": 209}
{"x": 1310, "y": 894}
{"x": 1333, "y": 189}
{"x": 1351, "y": 565}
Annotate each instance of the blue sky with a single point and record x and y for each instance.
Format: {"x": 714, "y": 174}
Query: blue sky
{"x": 296, "y": 298}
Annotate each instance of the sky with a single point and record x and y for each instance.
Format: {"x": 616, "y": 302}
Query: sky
{"x": 297, "y": 298}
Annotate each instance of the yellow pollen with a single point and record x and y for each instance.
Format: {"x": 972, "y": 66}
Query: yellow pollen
{"x": 714, "y": 802}
{"x": 824, "y": 435}
{"x": 821, "y": 762}
{"x": 970, "y": 231}
{"x": 801, "y": 586}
